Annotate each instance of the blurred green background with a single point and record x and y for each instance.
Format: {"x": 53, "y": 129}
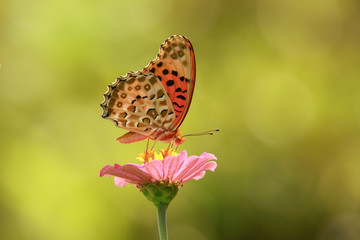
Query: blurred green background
{"x": 281, "y": 79}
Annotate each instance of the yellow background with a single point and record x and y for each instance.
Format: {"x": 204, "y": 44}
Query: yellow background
{"x": 281, "y": 79}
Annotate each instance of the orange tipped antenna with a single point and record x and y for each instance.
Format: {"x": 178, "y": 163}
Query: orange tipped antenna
{"x": 210, "y": 132}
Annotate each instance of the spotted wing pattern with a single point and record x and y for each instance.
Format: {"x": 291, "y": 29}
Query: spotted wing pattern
{"x": 138, "y": 102}
{"x": 175, "y": 68}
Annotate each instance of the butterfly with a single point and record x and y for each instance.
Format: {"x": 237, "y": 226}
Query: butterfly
{"x": 152, "y": 103}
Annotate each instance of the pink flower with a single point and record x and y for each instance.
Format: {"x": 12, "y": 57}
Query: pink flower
{"x": 176, "y": 170}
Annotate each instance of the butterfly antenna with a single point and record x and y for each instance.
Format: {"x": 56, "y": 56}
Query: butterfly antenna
{"x": 210, "y": 132}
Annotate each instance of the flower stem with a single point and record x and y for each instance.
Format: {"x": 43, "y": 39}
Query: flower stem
{"x": 161, "y": 214}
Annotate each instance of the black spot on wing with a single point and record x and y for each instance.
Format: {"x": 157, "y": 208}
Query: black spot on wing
{"x": 170, "y": 82}
{"x": 180, "y": 90}
{"x": 181, "y": 97}
{"x": 175, "y": 103}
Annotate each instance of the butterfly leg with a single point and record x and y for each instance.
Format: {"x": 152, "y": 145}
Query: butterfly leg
{"x": 146, "y": 151}
{"x": 168, "y": 148}
{"x": 155, "y": 139}
{"x": 153, "y": 145}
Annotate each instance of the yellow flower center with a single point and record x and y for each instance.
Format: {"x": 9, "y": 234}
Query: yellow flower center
{"x": 151, "y": 154}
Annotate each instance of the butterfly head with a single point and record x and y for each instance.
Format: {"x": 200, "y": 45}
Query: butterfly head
{"x": 179, "y": 138}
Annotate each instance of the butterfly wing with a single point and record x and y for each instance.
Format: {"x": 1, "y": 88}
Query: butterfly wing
{"x": 138, "y": 102}
{"x": 175, "y": 68}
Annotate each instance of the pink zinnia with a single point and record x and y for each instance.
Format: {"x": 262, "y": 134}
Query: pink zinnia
{"x": 173, "y": 170}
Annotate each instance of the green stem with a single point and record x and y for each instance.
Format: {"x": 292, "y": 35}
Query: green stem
{"x": 161, "y": 214}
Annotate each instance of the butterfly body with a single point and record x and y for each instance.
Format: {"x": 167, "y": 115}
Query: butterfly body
{"x": 152, "y": 103}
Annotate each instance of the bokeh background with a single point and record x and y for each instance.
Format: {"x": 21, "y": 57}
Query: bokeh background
{"x": 281, "y": 79}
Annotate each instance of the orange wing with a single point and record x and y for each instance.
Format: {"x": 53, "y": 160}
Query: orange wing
{"x": 175, "y": 68}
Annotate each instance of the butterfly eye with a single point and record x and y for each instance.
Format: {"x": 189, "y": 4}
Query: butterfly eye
{"x": 179, "y": 140}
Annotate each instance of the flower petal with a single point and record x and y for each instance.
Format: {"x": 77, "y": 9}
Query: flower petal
{"x": 117, "y": 171}
{"x": 154, "y": 169}
{"x": 186, "y": 166}
{"x": 201, "y": 172}
{"x": 121, "y": 182}
{"x": 104, "y": 170}
{"x": 136, "y": 171}
{"x": 130, "y": 172}
{"x": 193, "y": 165}
{"x": 172, "y": 164}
